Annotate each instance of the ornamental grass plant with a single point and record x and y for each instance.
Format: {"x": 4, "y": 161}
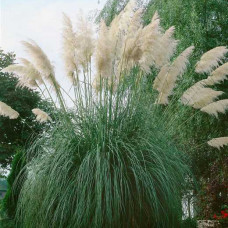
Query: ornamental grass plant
{"x": 112, "y": 165}
{"x": 111, "y": 160}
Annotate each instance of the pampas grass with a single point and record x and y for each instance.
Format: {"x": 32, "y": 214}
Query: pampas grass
{"x": 69, "y": 46}
{"x": 216, "y": 107}
{"x": 40, "y": 59}
{"x": 104, "y": 53}
{"x": 211, "y": 59}
{"x": 41, "y": 116}
{"x": 113, "y": 168}
{"x": 27, "y": 75}
{"x": 167, "y": 47}
{"x": 111, "y": 160}
{"x": 218, "y": 142}
{"x": 151, "y": 37}
{"x": 198, "y": 97}
{"x": 177, "y": 68}
{"x": 218, "y": 75}
{"x": 7, "y": 111}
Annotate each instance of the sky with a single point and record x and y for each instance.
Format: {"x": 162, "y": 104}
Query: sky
{"x": 40, "y": 20}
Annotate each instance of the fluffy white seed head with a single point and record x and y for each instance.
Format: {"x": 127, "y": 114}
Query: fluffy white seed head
{"x": 167, "y": 48}
{"x": 41, "y": 62}
{"x": 27, "y": 74}
{"x": 84, "y": 42}
{"x": 150, "y": 44}
{"x": 104, "y": 53}
{"x": 159, "y": 80}
{"x": 218, "y": 75}
{"x": 197, "y": 96}
{"x": 218, "y": 142}
{"x": 211, "y": 59}
{"x": 7, "y": 111}
{"x": 69, "y": 48}
{"x": 39, "y": 58}
{"x": 126, "y": 15}
{"x": 216, "y": 107}
{"x": 41, "y": 116}
{"x": 176, "y": 70}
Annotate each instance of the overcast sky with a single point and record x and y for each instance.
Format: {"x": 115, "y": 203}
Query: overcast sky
{"x": 40, "y": 20}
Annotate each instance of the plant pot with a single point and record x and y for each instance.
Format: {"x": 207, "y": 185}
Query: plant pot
{"x": 208, "y": 223}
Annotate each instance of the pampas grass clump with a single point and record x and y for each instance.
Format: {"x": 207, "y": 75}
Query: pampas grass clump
{"x": 111, "y": 161}
{"x": 113, "y": 166}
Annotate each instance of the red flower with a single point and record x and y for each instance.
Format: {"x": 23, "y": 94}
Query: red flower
{"x": 223, "y": 212}
{"x": 215, "y": 216}
{"x": 225, "y": 215}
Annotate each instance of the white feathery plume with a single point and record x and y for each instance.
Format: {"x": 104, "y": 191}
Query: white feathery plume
{"x": 211, "y": 59}
{"x": 167, "y": 47}
{"x": 132, "y": 53}
{"x": 116, "y": 38}
{"x": 216, "y": 107}
{"x": 7, "y": 111}
{"x": 126, "y": 39}
{"x": 160, "y": 78}
{"x": 197, "y": 96}
{"x": 41, "y": 116}
{"x": 69, "y": 45}
{"x": 40, "y": 59}
{"x": 115, "y": 34}
{"x": 14, "y": 68}
{"x": 218, "y": 75}
{"x": 155, "y": 17}
{"x": 218, "y": 142}
{"x": 135, "y": 23}
{"x": 150, "y": 43}
{"x": 41, "y": 62}
{"x": 132, "y": 49}
{"x": 24, "y": 82}
{"x": 103, "y": 53}
{"x": 27, "y": 74}
{"x": 126, "y": 15}
{"x": 189, "y": 95}
{"x": 32, "y": 72}
{"x": 206, "y": 99}
{"x": 176, "y": 70}
{"x": 84, "y": 42}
